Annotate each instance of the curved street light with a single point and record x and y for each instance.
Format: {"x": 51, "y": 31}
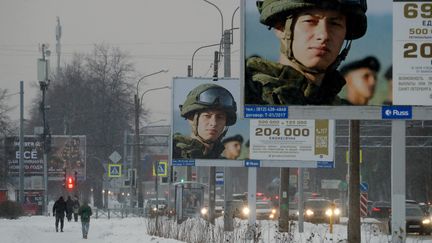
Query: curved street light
{"x": 148, "y": 75}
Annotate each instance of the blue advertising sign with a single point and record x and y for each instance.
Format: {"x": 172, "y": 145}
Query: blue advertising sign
{"x": 252, "y": 163}
{"x": 396, "y": 112}
{"x": 325, "y": 164}
{"x": 262, "y": 112}
{"x": 183, "y": 162}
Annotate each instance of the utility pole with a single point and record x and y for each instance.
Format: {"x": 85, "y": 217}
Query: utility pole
{"x": 43, "y": 77}
{"x": 354, "y": 183}
{"x": 58, "y": 45}
{"x": 21, "y": 145}
{"x": 228, "y": 187}
{"x": 136, "y": 154}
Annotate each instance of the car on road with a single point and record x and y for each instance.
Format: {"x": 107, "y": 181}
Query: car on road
{"x": 416, "y": 220}
{"x": 155, "y": 207}
{"x": 380, "y": 210}
{"x": 265, "y": 210}
{"x": 320, "y": 211}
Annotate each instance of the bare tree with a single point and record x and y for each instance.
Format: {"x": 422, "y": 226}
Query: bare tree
{"x": 92, "y": 97}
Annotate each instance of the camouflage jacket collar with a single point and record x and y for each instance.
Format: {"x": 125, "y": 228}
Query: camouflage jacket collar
{"x": 284, "y": 85}
{"x": 189, "y": 148}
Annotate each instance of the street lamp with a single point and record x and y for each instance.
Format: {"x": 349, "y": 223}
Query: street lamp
{"x": 138, "y": 104}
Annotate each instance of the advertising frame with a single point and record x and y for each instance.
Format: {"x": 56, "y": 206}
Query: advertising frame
{"x": 370, "y": 112}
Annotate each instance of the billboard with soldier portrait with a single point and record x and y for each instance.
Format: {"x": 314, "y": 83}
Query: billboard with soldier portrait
{"x": 206, "y": 122}
{"x": 334, "y": 72}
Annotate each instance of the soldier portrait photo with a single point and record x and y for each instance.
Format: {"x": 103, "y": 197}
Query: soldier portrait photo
{"x": 298, "y": 64}
{"x": 204, "y": 114}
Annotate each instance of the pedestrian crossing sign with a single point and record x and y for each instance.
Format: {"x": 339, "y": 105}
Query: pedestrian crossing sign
{"x": 162, "y": 168}
{"x": 114, "y": 170}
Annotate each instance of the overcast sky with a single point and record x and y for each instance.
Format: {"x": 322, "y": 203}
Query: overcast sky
{"x": 158, "y": 34}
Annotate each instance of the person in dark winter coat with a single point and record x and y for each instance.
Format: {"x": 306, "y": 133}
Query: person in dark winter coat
{"x": 59, "y": 210}
{"x": 75, "y": 208}
{"x": 69, "y": 208}
{"x": 85, "y": 212}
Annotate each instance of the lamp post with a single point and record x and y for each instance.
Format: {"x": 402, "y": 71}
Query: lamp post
{"x": 138, "y": 104}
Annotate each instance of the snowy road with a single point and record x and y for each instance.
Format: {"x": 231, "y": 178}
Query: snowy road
{"x": 40, "y": 229}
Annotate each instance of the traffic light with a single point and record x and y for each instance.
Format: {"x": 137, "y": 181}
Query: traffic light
{"x": 70, "y": 183}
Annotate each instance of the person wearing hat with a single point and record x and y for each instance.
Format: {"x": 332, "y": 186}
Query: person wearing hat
{"x": 209, "y": 109}
{"x": 233, "y": 146}
{"x": 389, "y": 77}
{"x": 311, "y": 36}
{"x": 361, "y": 78}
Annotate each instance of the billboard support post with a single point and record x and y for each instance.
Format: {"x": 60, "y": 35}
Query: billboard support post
{"x": 284, "y": 200}
{"x": 300, "y": 200}
{"x": 212, "y": 194}
{"x": 252, "y": 180}
{"x": 398, "y": 156}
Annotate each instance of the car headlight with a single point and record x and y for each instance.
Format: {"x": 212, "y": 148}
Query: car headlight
{"x": 245, "y": 211}
{"x": 337, "y": 211}
{"x": 204, "y": 211}
{"x": 273, "y": 211}
{"x": 329, "y": 212}
{"x": 271, "y": 216}
{"x": 154, "y": 209}
{"x": 309, "y": 212}
{"x": 426, "y": 221}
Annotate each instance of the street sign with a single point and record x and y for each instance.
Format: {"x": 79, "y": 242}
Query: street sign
{"x": 219, "y": 178}
{"x": 252, "y": 163}
{"x": 364, "y": 187}
{"x": 115, "y": 157}
{"x": 330, "y": 184}
{"x": 162, "y": 168}
{"x": 114, "y": 170}
{"x": 396, "y": 112}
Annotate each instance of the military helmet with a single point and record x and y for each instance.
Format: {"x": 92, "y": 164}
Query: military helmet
{"x": 210, "y": 96}
{"x": 355, "y": 11}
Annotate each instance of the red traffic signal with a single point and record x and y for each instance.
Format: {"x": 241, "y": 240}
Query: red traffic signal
{"x": 70, "y": 183}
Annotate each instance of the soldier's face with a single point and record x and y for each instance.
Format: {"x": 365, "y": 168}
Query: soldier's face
{"x": 361, "y": 82}
{"x": 318, "y": 37}
{"x": 211, "y": 124}
{"x": 232, "y": 149}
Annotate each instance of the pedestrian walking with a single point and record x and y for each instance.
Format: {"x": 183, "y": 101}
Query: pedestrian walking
{"x": 69, "y": 208}
{"x": 59, "y": 210}
{"x": 75, "y": 208}
{"x": 85, "y": 212}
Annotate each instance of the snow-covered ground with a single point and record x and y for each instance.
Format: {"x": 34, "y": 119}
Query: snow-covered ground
{"x": 41, "y": 229}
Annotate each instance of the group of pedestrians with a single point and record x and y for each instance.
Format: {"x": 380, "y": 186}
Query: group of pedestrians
{"x": 66, "y": 208}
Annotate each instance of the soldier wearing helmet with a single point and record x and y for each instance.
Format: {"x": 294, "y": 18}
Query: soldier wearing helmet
{"x": 209, "y": 109}
{"x": 312, "y": 35}
{"x": 361, "y": 78}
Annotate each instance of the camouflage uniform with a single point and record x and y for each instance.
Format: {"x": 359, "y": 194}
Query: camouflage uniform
{"x": 275, "y": 84}
{"x": 200, "y": 99}
{"x": 189, "y": 148}
{"x": 272, "y": 83}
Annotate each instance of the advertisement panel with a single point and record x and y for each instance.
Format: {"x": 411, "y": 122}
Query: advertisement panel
{"x": 301, "y": 140}
{"x": 412, "y": 52}
{"x": 68, "y": 153}
{"x": 33, "y": 155}
{"x": 279, "y": 70}
{"x": 206, "y": 124}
